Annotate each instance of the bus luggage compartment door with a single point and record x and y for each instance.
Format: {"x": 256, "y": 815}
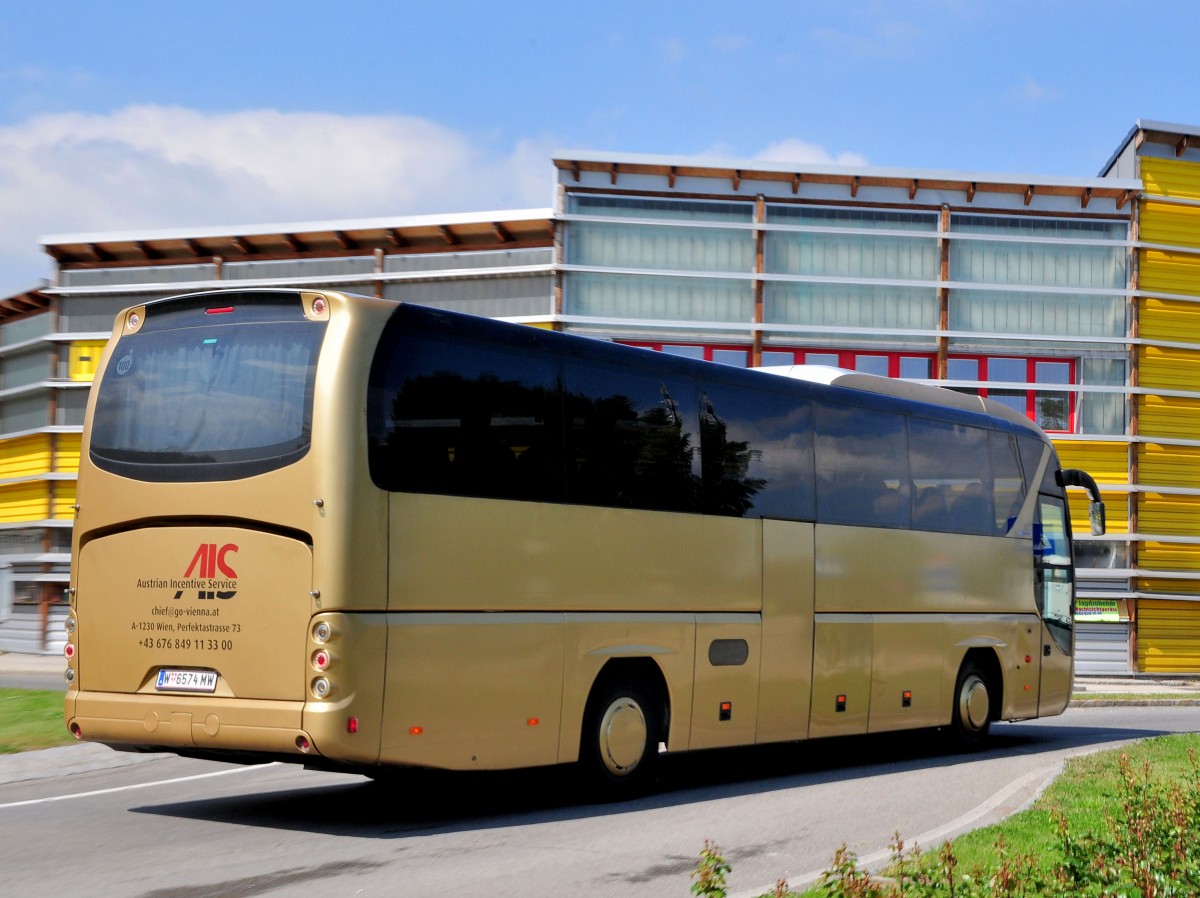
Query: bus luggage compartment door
{"x": 172, "y": 606}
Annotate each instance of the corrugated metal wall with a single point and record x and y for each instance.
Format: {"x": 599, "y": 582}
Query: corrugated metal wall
{"x": 1102, "y": 649}
{"x": 1169, "y": 631}
{"x": 1168, "y": 637}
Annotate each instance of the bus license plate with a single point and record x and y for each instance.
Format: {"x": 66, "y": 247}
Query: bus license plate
{"x": 186, "y": 681}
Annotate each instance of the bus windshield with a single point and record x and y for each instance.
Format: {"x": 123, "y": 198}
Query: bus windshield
{"x": 207, "y": 401}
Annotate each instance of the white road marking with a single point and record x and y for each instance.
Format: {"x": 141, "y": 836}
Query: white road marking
{"x": 132, "y": 786}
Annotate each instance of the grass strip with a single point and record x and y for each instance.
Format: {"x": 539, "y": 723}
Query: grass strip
{"x": 31, "y": 719}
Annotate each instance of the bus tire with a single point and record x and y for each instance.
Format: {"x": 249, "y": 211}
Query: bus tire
{"x": 622, "y": 727}
{"x": 973, "y": 709}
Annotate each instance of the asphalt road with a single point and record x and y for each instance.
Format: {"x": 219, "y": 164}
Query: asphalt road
{"x": 165, "y": 826}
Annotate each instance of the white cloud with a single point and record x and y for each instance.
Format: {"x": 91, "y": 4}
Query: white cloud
{"x": 675, "y": 50}
{"x": 802, "y": 153}
{"x": 1032, "y": 92}
{"x": 730, "y": 43}
{"x": 149, "y": 167}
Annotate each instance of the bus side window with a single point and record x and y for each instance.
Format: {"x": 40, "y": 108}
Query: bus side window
{"x": 1009, "y": 486}
{"x": 757, "y": 453}
{"x": 630, "y": 439}
{"x": 449, "y": 417}
{"x": 953, "y": 485}
{"x": 862, "y": 466}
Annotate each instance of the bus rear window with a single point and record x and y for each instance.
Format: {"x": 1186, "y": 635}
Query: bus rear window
{"x": 205, "y": 402}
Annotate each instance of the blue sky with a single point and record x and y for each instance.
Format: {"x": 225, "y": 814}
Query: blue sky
{"x": 147, "y": 115}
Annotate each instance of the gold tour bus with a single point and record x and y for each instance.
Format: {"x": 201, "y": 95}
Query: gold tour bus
{"x": 361, "y": 535}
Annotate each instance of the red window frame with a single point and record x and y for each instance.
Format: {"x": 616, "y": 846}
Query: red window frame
{"x": 848, "y": 359}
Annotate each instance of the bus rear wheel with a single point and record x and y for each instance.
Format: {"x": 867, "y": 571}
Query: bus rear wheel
{"x": 972, "y": 715}
{"x": 621, "y": 731}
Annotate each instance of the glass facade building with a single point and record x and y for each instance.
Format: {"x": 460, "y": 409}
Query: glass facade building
{"x": 1074, "y": 301}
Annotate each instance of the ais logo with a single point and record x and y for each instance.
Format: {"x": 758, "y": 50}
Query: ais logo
{"x": 211, "y": 571}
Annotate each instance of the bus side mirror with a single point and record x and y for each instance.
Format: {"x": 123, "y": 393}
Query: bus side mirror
{"x": 1075, "y": 477}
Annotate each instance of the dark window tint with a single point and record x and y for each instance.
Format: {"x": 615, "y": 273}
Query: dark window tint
{"x": 952, "y": 483}
{"x": 862, "y": 466}
{"x": 757, "y": 453}
{"x": 631, "y": 438}
{"x": 465, "y": 418}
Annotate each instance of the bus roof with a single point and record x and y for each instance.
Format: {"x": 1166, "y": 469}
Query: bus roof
{"x": 901, "y": 389}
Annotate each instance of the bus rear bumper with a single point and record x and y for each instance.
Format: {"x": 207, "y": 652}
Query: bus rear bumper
{"x": 250, "y": 725}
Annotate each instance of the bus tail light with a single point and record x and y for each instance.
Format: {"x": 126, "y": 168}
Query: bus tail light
{"x": 321, "y": 659}
{"x": 322, "y": 632}
{"x": 76, "y": 730}
{"x": 303, "y": 744}
{"x": 321, "y": 687}
{"x": 69, "y": 651}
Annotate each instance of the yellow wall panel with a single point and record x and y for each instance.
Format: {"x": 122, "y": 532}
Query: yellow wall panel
{"x": 1166, "y": 514}
{"x": 1169, "y": 557}
{"x": 1169, "y": 416}
{"x": 1181, "y": 587}
{"x": 1170, "y": 177}
{"x": 83, "y": 358}
{"x": 1174, "y": 225}
{"x": 25, "y": 456}
{"x": 66, "y": 452}
{"x": 1168, "y": 636}
{"x": 1106, "y": 461}
{"x": 1176, "y": 321}
{"x": 25, "y": 502}
{"x": 1169, "y": 369}
{"x": 1167, "y": 272}
{"x": 1168, "y": 465}
{"x": 64, "y": 500}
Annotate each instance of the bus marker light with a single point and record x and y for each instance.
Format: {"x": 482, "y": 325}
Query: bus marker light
{"x": 906, "y": 698}
{"x": 318, "y": 306}
{"x": 352, "y": 725}
{"x": 219, "y": 310}
{"x": 1028, "y": 659}
{"x": 841, "y": 704}
{"x": 1028, "y": 688}
{"x": 725, "y": 712}
{"x": 532, "y": 722}
{"x": 415, "y": 731}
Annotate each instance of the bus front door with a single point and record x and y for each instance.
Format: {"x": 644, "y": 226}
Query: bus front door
{"x": 1054, "y": 585}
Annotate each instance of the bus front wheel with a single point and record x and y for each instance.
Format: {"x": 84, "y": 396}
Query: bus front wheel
{"x": 972, "y": 705}
{"x": 621, "y": 731}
